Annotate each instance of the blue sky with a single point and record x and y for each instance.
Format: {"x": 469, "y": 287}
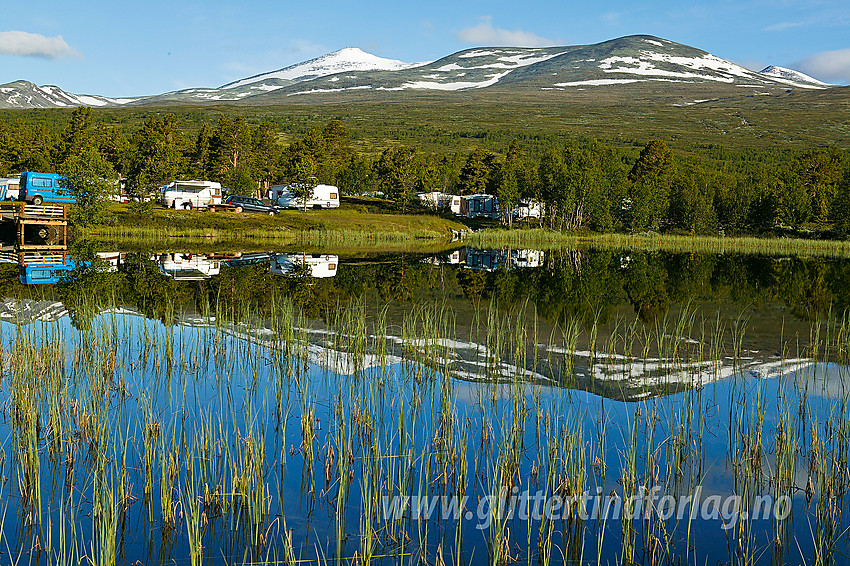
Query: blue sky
{"x": 125, "y": 49}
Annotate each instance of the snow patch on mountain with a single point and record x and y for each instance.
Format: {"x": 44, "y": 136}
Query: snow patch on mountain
{"x": 505, "y": 60}
{"x": 329, "y": 90}
{"x": 342, "y": 61}
{"x": 22, "y": 94}
{"x": 704, "y": 67}
{"x": 479, "y": 53}
{"x": 713, "y": 68}
{"x": 791, "y": 76}
{"x": 600, "y": 82}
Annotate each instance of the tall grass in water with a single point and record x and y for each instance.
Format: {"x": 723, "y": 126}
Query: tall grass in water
{"x": 404, "y": 408}
{"x": 550, "y": 240}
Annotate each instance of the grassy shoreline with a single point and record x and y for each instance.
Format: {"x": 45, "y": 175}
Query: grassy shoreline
{"x": 548, "y": 240}
{"x": 326, "y": 228}
{"x": 359, "y": 228}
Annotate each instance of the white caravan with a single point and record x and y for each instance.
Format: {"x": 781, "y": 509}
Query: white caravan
{"x": 320, "y": 266}
{"x": 435, "y": 200}
{"x": 191, "y": 194}
{"x": 526, "y": 258}
{"x": 187, "y": 267}
{"x": 112, "y": 259}
{"x": 9, "y": 188}
{"x": 527, "y": 209}
{"x": 324, "y": 196}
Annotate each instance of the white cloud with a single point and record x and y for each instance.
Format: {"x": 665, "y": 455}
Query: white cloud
{"x": 485, "y": 34}
{"x": 784, "y": 26}
{"x": 34, "y": 45}
{"x": 828, "y": 65}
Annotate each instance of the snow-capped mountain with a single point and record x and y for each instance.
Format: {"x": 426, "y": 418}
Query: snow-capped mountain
{"x": 348, "y": 60}
{"x": 23, "y": 94}
{"x": 610, "y": 65}
{"x": 792, "y": 76}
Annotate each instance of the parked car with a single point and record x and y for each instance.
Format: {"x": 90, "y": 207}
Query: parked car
{"x": 250, "y": 204}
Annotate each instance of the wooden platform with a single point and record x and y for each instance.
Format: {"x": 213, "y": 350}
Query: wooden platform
{"x": 47, "y": 223}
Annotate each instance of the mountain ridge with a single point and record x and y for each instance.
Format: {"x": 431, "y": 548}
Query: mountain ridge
{"x": 348, "y": 59}
{"x": 611, "y": 64}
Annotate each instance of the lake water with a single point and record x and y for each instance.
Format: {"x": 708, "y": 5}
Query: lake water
{"x": 471, "y": 407}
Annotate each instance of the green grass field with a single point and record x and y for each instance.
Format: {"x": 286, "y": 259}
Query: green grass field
{"x": 349, "y": 226}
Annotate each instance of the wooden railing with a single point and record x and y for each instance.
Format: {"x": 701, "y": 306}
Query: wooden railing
{"x": 25, "y": 211}
{"x": 41, "y": 258}
{"x": 41, "y": 211}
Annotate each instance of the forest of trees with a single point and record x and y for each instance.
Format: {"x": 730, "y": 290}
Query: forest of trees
{"x": 583, "y": 184}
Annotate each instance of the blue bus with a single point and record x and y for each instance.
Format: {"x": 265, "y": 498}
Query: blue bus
{"x": 38, "y": 188}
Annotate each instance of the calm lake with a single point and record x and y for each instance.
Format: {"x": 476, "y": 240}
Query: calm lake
{"x": 471, "y": 407}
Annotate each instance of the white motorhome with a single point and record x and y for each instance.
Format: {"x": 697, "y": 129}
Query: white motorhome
{"x": 319, "y": 266}
{"x": 9, "y": 188}
{"x": 324, "y": 196}
{"x": 435, "y": 200}
{"x": 187, "y": 267}
{"x": 191, "y": 194}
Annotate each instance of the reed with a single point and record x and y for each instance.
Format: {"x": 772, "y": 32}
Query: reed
{"x": 552, "y": 240}
{"x": 208, "y": 414}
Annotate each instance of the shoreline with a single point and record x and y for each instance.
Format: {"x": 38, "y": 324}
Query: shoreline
{"x": 355, "y": 228}
{"x": 550, "y": 241}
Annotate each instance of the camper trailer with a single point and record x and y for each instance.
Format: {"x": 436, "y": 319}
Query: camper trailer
{"x": 526, "y": 258}
{"x": 484, "y": 260}
{"x": 187, "y": 267}
{"x": 527, "y": 210}
{"x": 435, "y": 200}
{"x": 480, "y": 206}
{"x": 191, "y": 194}
{"x": 9, "y": 188}
{"x": 318, "y": 266}
{"x": 324, "y": 196}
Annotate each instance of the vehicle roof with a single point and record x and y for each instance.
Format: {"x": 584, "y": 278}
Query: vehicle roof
{"x": 194, "y": 183}
{"x": 40, "y": 174}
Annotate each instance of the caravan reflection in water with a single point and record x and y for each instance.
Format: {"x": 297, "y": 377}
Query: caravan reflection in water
{"x": 187, "y": 267}
{"x": 319, "y": 266}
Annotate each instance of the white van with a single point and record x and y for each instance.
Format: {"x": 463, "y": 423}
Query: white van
{"x": 191, "y": 194}
{"x": 324, "y": 196}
